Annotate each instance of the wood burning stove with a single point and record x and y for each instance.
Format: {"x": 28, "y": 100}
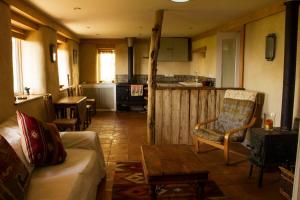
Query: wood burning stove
{"x": 127, "y": 102}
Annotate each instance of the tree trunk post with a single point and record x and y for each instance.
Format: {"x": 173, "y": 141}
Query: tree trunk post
{"x": 152, "y": 69}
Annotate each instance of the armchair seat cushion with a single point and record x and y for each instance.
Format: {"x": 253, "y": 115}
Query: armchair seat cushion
{"x": 210, "y": 135}
{"x": 216, "y": 136}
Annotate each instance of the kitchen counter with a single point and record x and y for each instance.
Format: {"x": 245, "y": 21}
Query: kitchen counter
{"x": 161, "y": 86}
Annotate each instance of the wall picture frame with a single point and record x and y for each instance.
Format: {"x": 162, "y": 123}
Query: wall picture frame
{"x": 270, "y": 46}
{"x": 75, "y": 56}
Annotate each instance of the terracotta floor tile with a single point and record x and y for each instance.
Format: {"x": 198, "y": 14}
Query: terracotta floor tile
{"x": 122, "y": 133}
{"x": 105, "y": 140}
{"x": 120, "y": 141}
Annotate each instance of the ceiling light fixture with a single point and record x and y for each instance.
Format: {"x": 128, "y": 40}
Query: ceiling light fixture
{"x": 180, "y": 1}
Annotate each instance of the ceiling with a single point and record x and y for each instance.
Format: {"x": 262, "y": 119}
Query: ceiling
{"x": 135, "y": 18}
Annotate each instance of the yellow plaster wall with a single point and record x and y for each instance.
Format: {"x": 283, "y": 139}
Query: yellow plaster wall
{"x": 262, "y": 75}
{"x": 88, "y": 64}
{"x": 6, "y": 72}
{"x": 205, "y": 65}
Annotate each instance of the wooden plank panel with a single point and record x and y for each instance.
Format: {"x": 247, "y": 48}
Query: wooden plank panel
{"x": 184, "y": 117}
{"x": 167, "y": 110}
{"x": 158, "y": 117}
{"x": 194, "y": 102}
{"x": 203, "y": 95}
{"x": 221, "y": 95}
{"x": 175, "y": 116}
{"x": 217, "y": 103}
{"x": 211, "y": 105}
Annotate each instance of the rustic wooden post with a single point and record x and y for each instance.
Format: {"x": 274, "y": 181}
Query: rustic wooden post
{"x": 152, "y": 68}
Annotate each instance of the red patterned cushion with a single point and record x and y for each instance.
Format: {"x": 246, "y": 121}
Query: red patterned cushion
{"x": 14, "y": 177}
{"x": 41, "y": 141}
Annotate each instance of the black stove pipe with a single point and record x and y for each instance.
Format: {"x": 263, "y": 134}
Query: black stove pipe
{"x": 290, "y": 56}
{"x": 130, "y": 60}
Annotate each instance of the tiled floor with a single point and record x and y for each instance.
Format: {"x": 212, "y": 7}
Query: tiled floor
{"x": 122, "y": 134}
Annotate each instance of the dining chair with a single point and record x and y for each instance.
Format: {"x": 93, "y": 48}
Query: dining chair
{"x": 236, "y": 116}
{"x": 89, "y": 101}
{"x": 61, "y": 123}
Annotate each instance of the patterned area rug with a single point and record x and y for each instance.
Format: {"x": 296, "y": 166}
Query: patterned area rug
{"x": 129, "y": 184}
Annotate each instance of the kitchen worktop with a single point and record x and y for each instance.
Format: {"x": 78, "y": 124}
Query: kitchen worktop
{"x": 161, "y": 86}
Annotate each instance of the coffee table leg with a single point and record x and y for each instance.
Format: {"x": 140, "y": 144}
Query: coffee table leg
{"x": 153, "y": 192}
{"x": 200, "y": 190}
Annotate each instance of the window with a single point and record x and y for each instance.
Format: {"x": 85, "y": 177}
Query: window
{"x": 107, "y": 65}
{"x": 17, "y": 66}
{"x": 63, "y": 66}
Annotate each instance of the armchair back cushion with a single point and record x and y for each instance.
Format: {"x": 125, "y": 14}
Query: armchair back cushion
{"x": 237, "y": 111}
{"x": 14, "y": 176}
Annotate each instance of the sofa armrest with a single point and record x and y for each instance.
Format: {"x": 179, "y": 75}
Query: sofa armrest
{"x": 83, "y": 140}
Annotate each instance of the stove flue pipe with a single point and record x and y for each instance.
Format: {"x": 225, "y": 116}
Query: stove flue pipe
{"x": 290, "y": 57}
{"x": 130, "y": 60}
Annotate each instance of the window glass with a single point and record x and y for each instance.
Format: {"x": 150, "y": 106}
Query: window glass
{"x": 17, "y": 66}
{"x": 63, "y": 69}
{"x": 107, "y": 66}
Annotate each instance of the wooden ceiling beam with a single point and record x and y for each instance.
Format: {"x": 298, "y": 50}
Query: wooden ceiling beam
{"x": 17, "y": 18}
{"x": 28, "y": 10}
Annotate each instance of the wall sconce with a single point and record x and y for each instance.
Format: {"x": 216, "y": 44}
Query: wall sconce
{"x": 53, "y": 54}
{"x": 270, "y": 47}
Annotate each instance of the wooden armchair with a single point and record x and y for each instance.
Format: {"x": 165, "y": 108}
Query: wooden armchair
{"x": 61, "y": 123}
{"x": 237, "y": 115}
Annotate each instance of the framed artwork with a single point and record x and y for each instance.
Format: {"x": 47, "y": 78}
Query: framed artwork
{"x": 75, "y": 56}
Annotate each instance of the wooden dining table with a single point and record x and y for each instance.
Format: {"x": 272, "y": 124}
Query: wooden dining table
{"x": 76, "y": 106}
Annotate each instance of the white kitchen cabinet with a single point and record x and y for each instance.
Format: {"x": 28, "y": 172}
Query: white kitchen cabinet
{"x": 103, "y": 93}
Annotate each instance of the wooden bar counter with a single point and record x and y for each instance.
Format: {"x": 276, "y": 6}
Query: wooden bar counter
{"x": 179, "y": 108}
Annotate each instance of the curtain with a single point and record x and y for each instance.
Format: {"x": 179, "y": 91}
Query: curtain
{"x": 107, "y": 65}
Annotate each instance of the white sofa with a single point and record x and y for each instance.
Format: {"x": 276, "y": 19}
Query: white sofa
{"x": 76, "y": 178}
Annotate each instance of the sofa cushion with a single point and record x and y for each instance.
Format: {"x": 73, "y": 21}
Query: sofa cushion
{"x": 40, "y": 141}
{"x": 10, "y": 130}
{"x": 14, "y": 176}
{"x": 70, "y": 180}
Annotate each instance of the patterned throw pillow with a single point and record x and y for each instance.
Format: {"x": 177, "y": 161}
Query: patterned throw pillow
{"x": 40, "y": 141}
{"x": 14, "y": 177}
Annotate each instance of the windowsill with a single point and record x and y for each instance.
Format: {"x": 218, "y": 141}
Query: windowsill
{"x": 65, "y": 88}
{"x": 27, "y": 98}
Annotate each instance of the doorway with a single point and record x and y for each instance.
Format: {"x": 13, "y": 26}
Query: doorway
{"x": 228, "y": 59}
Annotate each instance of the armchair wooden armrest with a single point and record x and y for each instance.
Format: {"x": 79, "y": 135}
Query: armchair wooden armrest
{"x": 203, "y": 123}
{"x": 232, "y": 131}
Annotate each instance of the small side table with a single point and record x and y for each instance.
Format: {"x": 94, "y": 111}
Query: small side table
{"x": 271, "y": 149}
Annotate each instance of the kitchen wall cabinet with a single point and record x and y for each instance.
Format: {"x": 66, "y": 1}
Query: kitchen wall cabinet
{"x": 174, "y": 50}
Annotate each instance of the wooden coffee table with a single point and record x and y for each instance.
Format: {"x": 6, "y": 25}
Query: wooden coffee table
{"x": 172, "y": 164}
